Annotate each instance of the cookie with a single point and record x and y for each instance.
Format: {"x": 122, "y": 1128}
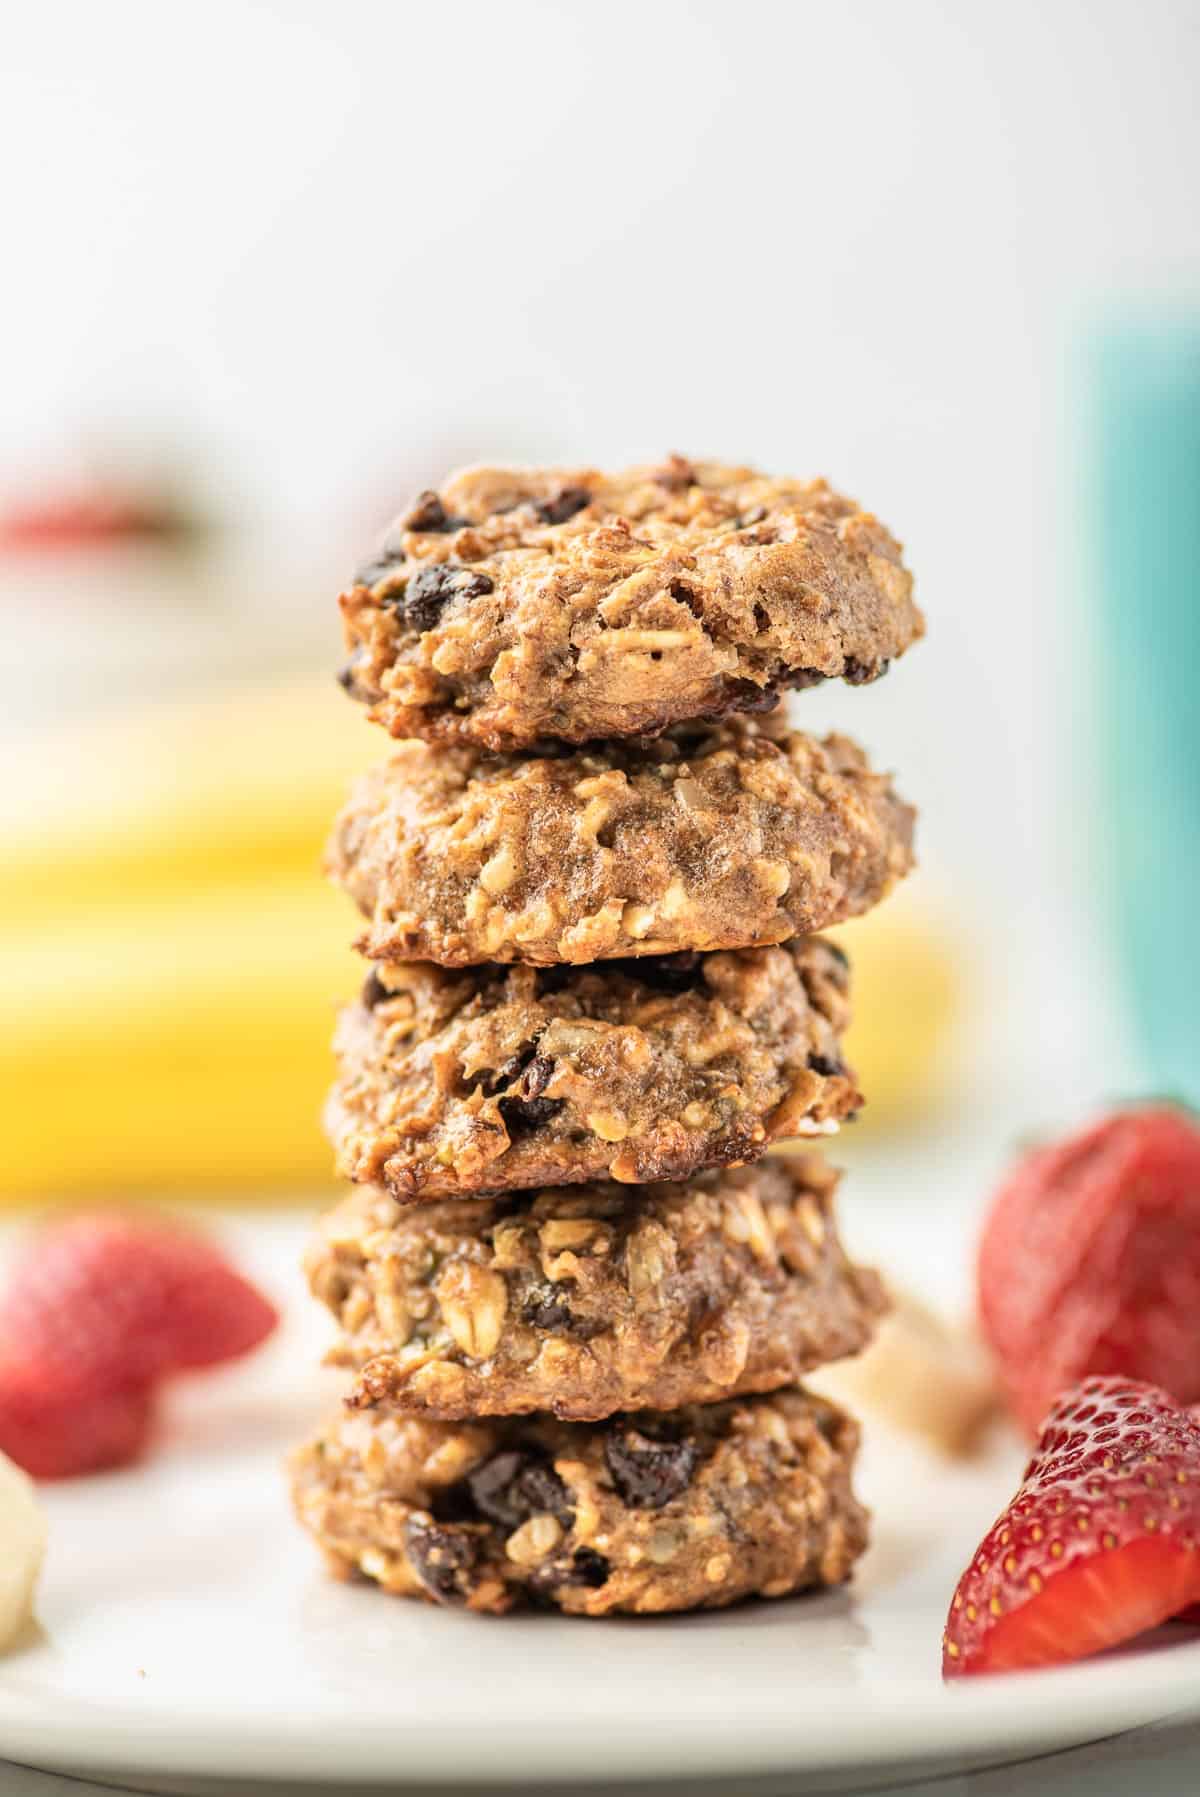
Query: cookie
{"x": 597, "y": 1298}
{"x": 727, "y": 836}
{"x": 524, "y": 604}
{"x": 496, "y": 1078}
{"x": 647, "y": 1512}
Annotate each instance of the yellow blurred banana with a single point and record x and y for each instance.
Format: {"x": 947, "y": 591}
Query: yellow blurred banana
{"x": 193, "y": 793}
{"x": 170, "y": 958}
{"x": 905, "y": 995}
{"x": 173, "y": 1045}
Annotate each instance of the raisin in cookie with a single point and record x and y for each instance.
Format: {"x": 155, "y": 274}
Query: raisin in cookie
{"x": 722, "y": 837}
{"x": 647, "y": 1512}
{"x": 495, "y": 1078}
{"x": 525, "y": 604}
{"x": 594, "y": 1298}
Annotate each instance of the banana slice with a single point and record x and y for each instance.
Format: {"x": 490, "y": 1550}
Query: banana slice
{"x": 22, "y": 1546}
{"x": 921, "y": 1375}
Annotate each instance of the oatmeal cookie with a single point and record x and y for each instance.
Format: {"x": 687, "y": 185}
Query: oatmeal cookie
{"x": 713, "y": 837}
{"x": 524, "y": 604}
{"x": 646, "y": 1512}
{"x": 495, "y": 1078}
{"x": 594, "y": 1298}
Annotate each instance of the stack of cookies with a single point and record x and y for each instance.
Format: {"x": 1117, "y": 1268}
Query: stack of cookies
{"x": 575, "y": 1301}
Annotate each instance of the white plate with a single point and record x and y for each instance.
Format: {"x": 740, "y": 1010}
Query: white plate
{"x": 188, "y": 1632}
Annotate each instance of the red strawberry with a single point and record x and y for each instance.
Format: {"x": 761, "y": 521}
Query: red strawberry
{"x": 100, "y": 1308}
{"x": 1101, "y": 1541}
{"x": 57, "y": 1430}
{"x": 85, "y": 518}
{"x": 1192, "y": 1613}
{"x": 123, "y": 1300}
{"x": 1090, "y": 1261}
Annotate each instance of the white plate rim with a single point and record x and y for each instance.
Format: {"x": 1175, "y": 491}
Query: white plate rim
{"x": 1013, "y": 1715}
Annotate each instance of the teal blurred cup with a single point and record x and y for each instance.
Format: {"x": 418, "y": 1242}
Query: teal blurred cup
{"x": 1144, "y": 445}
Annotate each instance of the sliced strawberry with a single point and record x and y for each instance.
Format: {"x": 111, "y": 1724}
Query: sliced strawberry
{"x": 1101, "y": 1541}
{"x": 1192, "y": 1613}
{"x": 125, "y": 1300}
{"x": 56, "y": 1430}
{"x": 1090, "y": 1261}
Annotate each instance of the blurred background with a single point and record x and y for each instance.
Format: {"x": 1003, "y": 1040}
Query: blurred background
{"x": 274, "y": 267}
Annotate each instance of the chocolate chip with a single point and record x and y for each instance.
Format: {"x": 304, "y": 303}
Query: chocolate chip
{"x": 428, "y": 514}
{"x": 378, "y": 568}
{"x": 518, "y": 1483}
{"x": 383, "y": 563}
{"x": 524, "y": 1114}
{"x": 800, "y": 679}
{"x": 588, "y": 1568}
{"x": 442, "y": 1559}
{"x": 545, "y": 1308}
{"x": 745, "y": 696}
{"x": 374, "y": 991}
{"x": 826, "y": 1066}
{"x": 647, "y": 1473}
{"x": 491, "y": 1486}
{"x": 584, "y": 1567}
{"x": 537, "y": 1076}
{"x": 452, "y": 1503}
{"x": 509, "y": 1070}
{"x": 541, "y": 1491}
{"x": 432, "y": 588}
{"x": 861, "y": 673}
{"x": 566, "y": 502}
{"x": 526, "y": 1109}
{"x": 762, "y": 618}
{"x": 738, "y": 696}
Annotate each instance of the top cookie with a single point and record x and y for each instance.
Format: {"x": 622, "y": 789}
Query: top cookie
{"x": 527, "y": 605}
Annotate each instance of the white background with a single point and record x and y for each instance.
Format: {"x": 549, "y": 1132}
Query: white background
{"x": 331, "y": 249}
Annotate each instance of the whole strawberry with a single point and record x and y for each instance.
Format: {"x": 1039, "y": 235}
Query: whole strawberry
{"x": 55, "y": 1428}
{"x": 1090, "y": 1261}
{"x": 1101, "y": 1541}
{"x": 99, "y": 1309}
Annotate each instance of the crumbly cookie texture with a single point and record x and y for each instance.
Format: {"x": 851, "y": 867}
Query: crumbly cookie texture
{"x": 725, "y": 836}
{"x": 647, "y": 1512}
{"x": 499, "y": 1078}
{"x": 591, "y": 1299}
{"x": 523, "y": 604}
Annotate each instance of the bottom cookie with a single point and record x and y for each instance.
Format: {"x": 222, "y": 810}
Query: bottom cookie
{"x": 649, "y": 1511}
